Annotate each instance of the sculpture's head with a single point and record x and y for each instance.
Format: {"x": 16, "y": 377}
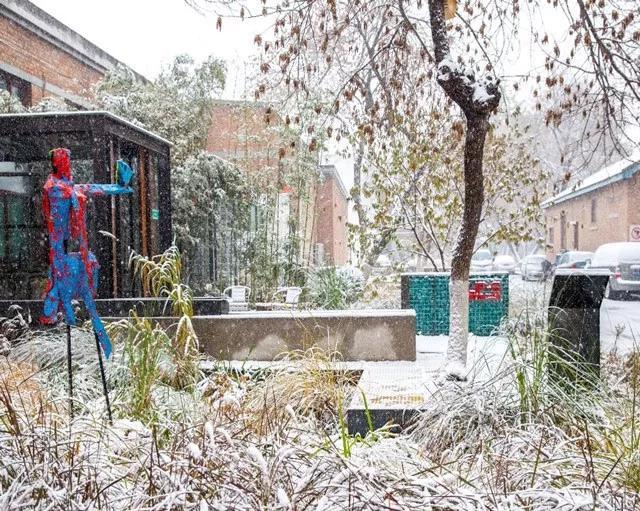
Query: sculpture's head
{"x": 61, "y": 162}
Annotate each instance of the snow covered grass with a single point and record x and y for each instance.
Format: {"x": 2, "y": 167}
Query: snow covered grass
{"x": 513, "y": 439}
{"x": 276, "y": 440}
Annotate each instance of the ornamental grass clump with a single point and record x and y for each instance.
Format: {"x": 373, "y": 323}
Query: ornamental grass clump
{"x": 310, "y": 385}
{"x": 158, "y": 353}
{"x": 161, "y": 275}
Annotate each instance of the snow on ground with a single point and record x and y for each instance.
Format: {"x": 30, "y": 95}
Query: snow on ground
{"x": 620, "y": 326}
{"x": 484, "y": 354}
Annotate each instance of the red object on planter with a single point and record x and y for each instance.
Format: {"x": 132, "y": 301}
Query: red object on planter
{"x": 483, "y": 290}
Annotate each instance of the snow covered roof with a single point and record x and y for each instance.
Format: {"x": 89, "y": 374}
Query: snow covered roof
{"x": 619, "y": 171}
{"x": 89, "y": 113}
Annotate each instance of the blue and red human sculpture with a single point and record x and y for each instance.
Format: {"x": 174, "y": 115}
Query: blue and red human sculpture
{"x": 73, "y": 275}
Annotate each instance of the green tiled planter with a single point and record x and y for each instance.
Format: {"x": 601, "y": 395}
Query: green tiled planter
{"x": 428, "y": 295}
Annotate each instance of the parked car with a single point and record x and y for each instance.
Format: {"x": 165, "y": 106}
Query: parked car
{"x": 482, "y": 260}
{"x": 535, "y": 267}
{"x": 574, "y": 259}
{"x": 623, "y": 260}
{"x": 504, "y": 263}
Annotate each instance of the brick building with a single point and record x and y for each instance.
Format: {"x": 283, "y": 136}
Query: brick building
{"x": 250, "y": 135}
{"x": 247, "y": 134}
{"x": 602, "y": 208}
{"x": 40, "y": 56}
{"x": 332, "y": 211}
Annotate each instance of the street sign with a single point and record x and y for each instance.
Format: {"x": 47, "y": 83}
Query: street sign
{"x": 634, "y": 232}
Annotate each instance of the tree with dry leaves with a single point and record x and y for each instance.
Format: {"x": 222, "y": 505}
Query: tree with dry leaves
{"x": 427, "y": 212}
{"x": 376, "y": 62}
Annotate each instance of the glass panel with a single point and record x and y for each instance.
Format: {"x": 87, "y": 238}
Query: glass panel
{"x": 129, "y": 224}
{"x": 23, "y": 240}
{"x": 16, "y": 212}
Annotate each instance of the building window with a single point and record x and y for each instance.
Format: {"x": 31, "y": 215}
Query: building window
{"x": 20, "y": 229}
{"x": 594, "y": 206}
{"x": 17, "y": 87}
{"x": 551, "y": 240}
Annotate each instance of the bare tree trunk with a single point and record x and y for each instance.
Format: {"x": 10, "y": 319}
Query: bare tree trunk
{"x": 477, "y": 127}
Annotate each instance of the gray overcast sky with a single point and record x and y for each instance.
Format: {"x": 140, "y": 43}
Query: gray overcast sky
{"x": 145, "y": 34}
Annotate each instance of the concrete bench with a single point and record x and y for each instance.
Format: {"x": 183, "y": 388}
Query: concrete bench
{"x": 369, "y": 335}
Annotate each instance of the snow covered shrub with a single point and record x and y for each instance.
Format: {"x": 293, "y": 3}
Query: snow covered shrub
{"x": 52, "y": 104}
{"x": 176, "y": 105}
{"x": 335, "y": 288}
{"x": 211, "y": 214}
{"x": 9, "y": 104}
{"x": 354, "y": 281}
{"x": 380, "y": 292}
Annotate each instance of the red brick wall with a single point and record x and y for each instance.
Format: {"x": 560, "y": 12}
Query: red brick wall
{"x": 26, "y": 51}
{"x": 331, "y": 225}
{"x": 633, "y": 211}
{"x": 239, "y": 133}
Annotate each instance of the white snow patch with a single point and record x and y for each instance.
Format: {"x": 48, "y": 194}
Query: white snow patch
{"x": 480, "y": 94}
{"x": 620, "y": 326}
{"x": 283, "y": 498}
{"x": 446, "y": 68}
{"x": 257, "y": 457}
{"x": 194, "y": 451}
{"x": 456, "y": 370}
{"x": 225, "y": 434}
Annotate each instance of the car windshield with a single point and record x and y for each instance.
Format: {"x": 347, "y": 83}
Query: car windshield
{"x": 579, "y": 256}
{"x": 482, "y": 255}
{"x": 535, "y": 260}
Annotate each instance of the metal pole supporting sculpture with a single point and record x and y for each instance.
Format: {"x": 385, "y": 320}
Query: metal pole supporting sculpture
{"x": 74, "y": 275}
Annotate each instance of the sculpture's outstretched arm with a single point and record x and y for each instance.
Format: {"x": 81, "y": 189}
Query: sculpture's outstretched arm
{"x": 93, "y": 190}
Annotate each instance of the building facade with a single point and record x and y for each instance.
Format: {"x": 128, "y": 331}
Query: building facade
{"x": 602, "y": 208}
{"x": 41, "y": 57}
{"x": 332, "y": 206}
{"x": 251, "y": 135}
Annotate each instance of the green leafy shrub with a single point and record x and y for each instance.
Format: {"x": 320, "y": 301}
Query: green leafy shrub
{"x": 335, "y": 288}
